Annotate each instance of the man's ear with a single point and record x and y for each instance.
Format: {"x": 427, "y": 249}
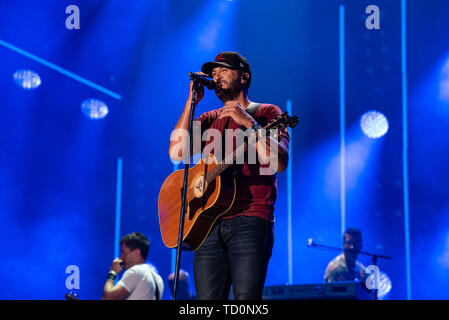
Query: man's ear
{"x": 245, "y": 77}
{"x": 136, "y": 253}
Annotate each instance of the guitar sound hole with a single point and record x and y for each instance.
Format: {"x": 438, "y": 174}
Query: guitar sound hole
{"x": 199, "y": 203}
{"x": 199, "y": 187}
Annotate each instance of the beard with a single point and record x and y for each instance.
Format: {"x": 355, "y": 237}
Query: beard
{"x": 230, "y": 93}
{"x": 351, "y": 256}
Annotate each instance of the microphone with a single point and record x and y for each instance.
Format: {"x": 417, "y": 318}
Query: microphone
{"x": 208, "y": 83}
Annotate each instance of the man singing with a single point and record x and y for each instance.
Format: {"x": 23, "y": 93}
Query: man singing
{"x": 238, "y": 248}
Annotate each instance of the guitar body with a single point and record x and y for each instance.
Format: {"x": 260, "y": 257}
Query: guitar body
{"x": 206, "y": 202}
{"x": 209, "y": 194}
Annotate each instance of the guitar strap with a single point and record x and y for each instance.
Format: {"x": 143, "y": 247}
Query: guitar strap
{"x": 156, "y": 293}
{"x": 252, "y": 108}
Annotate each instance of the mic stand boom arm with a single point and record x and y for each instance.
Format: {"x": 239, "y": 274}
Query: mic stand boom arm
{"x": 373, "y": 255}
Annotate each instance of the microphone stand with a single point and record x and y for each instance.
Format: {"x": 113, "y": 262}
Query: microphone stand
{"x": 374, "y": 256}
{"x": 184, "y": 187}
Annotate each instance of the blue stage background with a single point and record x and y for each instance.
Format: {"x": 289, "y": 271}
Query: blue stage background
{"x": 59, "y": 168}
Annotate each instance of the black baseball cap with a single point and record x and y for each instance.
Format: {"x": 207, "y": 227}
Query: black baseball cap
{"x": 228, "y": 59}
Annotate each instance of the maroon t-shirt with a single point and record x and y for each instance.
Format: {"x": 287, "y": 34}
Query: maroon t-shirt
{"x": 256, "y": 193}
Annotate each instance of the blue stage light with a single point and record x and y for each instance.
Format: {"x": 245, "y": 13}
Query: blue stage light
{"x": 94, "y": 109}
{"x": 27, "y": 79}
{"x": 374, "y": 124}
{"x": 444, "y": 83}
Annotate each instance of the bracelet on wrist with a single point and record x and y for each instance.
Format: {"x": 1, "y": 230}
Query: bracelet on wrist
{"x": 111, "y": 275}
{"x": 256, "y": 126}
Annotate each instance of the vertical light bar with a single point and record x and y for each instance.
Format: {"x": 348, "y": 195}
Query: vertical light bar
{"x": 173, "y": 251}
{"x": 342, "y": 121}
{"x": 173, "y": 260}
{"x": 289, "y": 200}
{"x": 405, "y": 146}
{"x": 118, "y": 208}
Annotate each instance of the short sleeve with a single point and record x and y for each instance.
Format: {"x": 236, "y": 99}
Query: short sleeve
{"x": 206, "y": 119}
{"x": 267, "y": 113}
{"x": 129, "y": 280}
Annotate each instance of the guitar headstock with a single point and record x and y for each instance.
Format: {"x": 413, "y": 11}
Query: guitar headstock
{"x": 283, "y": 121}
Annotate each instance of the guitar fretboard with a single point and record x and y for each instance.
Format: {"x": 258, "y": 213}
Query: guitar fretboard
{"x": 280, "y": 122}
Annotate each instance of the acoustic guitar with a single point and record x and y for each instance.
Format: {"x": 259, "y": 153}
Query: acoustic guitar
{"x": 209, "y": 194}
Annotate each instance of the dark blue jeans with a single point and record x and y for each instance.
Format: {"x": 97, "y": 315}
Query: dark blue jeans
{"x": 236, "y": 252}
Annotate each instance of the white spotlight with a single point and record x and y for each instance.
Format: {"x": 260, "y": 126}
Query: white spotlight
{"x": 94, "y": 109}
{"x": 27, "y": 79}
{"x": 374, "y": 124}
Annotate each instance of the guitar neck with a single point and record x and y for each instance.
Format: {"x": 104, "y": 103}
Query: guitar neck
{"x": 280, "y": 122}
{"x": 228, "y": 161}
